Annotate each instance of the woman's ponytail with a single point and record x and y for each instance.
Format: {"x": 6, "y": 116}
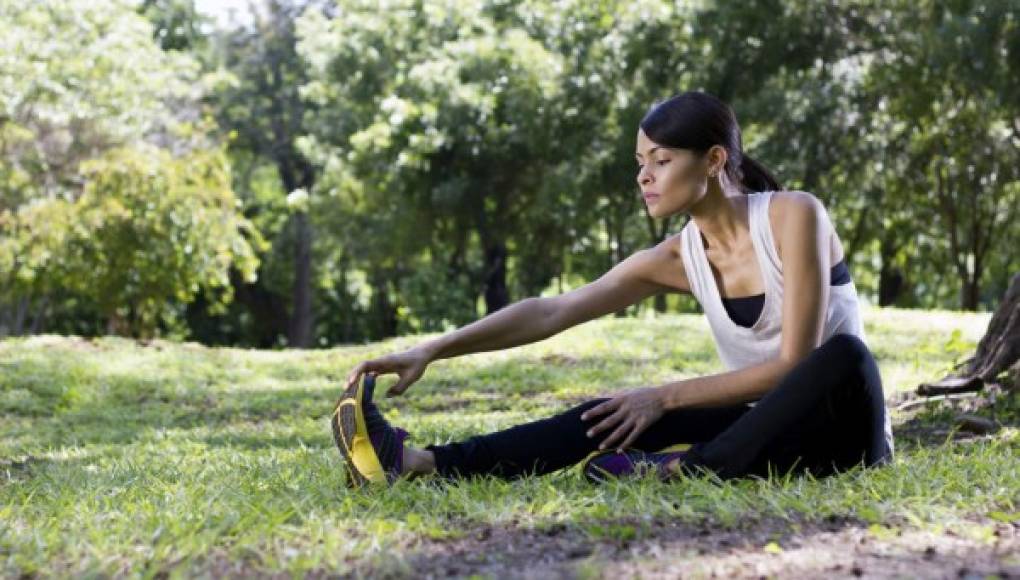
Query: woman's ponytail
{"x": 755, "y": 177}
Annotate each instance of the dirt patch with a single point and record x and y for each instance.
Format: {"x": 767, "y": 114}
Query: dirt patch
{"x": 667, "y": 549}
{"x": 18, "y": 468}
{"x": 848, "y": 553}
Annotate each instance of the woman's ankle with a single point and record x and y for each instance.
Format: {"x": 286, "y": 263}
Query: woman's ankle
{"x": 418, "y": 461}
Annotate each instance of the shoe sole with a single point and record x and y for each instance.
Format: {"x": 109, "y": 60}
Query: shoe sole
{"x": 351, "y": 437}
{"x": 595, "y": 474}
{"x": 588, "y": 472}
{"x": 342, "y": 421}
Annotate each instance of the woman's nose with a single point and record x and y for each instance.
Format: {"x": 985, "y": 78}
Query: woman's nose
{"x": 643, "y": 177}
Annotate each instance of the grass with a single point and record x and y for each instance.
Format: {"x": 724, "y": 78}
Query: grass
{"x": 176, "y": 459}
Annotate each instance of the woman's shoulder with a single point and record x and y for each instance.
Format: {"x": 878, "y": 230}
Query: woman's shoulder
{"x": 794, "y": 201}
{"x": 666, "y": 262}
{"x": 794, "y": 211}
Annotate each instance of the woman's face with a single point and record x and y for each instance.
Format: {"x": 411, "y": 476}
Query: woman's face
{"x": 671, "y": 180}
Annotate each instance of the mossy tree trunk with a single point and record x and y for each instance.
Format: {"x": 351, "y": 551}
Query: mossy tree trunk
{"x": 997, "y": 358}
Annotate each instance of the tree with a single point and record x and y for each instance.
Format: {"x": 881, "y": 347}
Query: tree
{"x": 266, "y": 112}
{"x": 177, "y": 24}
{"x": 80, "y": 79}
{"x": 955, "y": 133}
{"x": 997, "y": 358}
{"x": 152, "y": 231}
{"x": 441, "y": 116}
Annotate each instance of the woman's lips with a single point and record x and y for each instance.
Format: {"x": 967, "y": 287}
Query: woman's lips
{"x": 651, "y": 196}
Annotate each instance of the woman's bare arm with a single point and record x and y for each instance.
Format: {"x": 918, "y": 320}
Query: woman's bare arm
{"x": 645, "y": 273}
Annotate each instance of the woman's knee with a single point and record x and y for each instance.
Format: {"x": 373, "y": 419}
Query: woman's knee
{"x": 847, "y": 345}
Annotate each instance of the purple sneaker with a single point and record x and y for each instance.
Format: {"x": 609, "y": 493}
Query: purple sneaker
{"x": 606, "y": 465}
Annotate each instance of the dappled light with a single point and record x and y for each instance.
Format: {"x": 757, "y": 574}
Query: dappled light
{"x": 247, "y": 245}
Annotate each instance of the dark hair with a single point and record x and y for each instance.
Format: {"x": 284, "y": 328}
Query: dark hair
{"x": 697, "y": 120}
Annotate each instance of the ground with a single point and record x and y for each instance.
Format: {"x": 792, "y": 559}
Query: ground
{"x": 119, "y": 458}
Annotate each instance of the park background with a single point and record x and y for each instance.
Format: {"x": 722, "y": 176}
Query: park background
{"x": 316, "y": 173}
{"x": 210, "y": 214}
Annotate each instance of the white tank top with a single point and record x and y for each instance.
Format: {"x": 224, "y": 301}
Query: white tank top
{"x": 740, "y": 346}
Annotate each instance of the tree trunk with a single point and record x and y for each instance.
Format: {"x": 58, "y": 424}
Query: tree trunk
{"x": 41, "y": 314}
{"x": 660, "y": 303}
{"x": 970, "y": 293}
{"x": 998, "y": 352}
{"x": 13, "y": 316}
{"x": 999, "y": 349}
{"x": 296, "y": 173}
{"x": 267, "y": 309}
{"x": 300, "y": 333}
{"x": 496, "y": 294}
{"x": 385, "y": 312}
{"x": 890, "y": 278}
{"x": 890, "y": 285}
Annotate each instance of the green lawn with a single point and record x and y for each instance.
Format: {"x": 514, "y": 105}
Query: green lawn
{"x": 123, "y": 459}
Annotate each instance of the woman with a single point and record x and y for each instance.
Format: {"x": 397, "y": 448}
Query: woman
{"x": 802, "y": 390}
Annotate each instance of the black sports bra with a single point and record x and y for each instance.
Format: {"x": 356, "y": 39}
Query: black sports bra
{"x": 745, "y": 310}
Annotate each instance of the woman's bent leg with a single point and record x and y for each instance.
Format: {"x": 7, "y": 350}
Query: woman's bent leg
{"x": 827, "y": 414}
{"x": 556, "y": 442}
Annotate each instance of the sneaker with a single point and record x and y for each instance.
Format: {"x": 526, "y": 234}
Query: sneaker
{"x": 372, "y": 449}
{"x": 602, "y": 466}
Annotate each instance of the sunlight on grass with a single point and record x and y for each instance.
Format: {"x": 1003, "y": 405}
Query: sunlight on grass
{"x": 124, "y": 459}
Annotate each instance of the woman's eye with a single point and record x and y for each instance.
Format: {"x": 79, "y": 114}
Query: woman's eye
{"x": 662, "y": 161}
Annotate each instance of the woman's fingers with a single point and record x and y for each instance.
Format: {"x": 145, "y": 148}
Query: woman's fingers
{"x": 603, "y": 407}
{"x": 365, "y": 367}
{"x": 395, "y": 390}
{"x": 617, "y": 434}
{"x": 638, "y": 427}
{"x": 606, "y": 423}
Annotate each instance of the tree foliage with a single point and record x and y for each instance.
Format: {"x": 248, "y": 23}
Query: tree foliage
{"x": 453, "y": 157}
{"x": 116, "y": 203}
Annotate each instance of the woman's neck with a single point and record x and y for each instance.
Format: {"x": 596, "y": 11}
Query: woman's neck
{"x": 721, "y": 217}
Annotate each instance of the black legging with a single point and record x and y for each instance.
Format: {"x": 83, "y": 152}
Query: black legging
{"x": 826, "y": 415}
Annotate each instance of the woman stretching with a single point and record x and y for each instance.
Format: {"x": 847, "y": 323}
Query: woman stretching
{"x": 802, "y": 391}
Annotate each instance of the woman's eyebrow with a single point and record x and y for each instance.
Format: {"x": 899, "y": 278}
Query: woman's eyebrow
{"x": 650, "y": 151}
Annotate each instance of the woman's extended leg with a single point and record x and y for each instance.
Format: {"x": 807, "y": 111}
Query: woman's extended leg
{"x": 561, "y": 440}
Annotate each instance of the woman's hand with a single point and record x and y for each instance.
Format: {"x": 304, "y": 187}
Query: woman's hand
{"x": 409, "y": 365}
{"x": 630, "y": 412}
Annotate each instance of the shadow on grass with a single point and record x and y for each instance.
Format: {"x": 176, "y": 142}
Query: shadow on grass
{"x": 26, "y": 467}
{"x": 70, "y": 407}
{"x": 250, "y": 441}
{"x": 939, "y": 421}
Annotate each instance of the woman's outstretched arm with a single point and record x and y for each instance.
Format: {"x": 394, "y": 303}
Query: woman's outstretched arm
{"x": 632, "y": 280}
{"x": 645, "y": 273}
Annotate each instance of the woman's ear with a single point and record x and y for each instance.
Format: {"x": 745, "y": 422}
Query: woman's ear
{"x": 716, "y": 159}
